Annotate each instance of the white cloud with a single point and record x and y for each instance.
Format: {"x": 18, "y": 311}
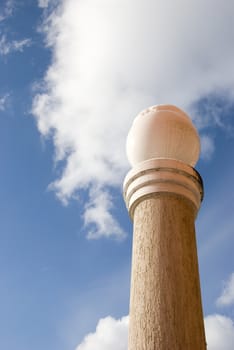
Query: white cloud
{"x": 109, "y": 334}
{"x": 6, "y": 10}
{"x": 109, "y": 62}
{"x": 112, "y": 334}
{"x": 43, "y": 3}
{"x": 227, "y": 296}
{"x": 3, "y": 101}
{"x": 219, "y": 332}
{"x": 207, "y": 147}
{"x": 7, "y": 47}
{"x": 98, "y": 211}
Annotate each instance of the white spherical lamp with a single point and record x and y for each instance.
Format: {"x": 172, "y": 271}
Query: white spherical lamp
{"x": 163, "y": 131}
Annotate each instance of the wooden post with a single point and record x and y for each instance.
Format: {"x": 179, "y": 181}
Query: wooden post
{"x": 163, "y": 197}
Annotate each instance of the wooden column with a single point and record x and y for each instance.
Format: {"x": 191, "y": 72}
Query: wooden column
{"x": 163, "y": 197}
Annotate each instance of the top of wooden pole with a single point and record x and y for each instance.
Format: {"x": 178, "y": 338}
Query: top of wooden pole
{"x": 163, "y": 146}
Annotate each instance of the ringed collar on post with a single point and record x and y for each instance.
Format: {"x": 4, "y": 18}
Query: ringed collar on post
{"x": 156, "y": 176}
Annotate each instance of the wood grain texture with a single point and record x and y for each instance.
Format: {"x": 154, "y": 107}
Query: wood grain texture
{"x": 165, "y": 302}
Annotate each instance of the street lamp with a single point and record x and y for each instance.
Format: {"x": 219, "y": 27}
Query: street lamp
{"x": 163, "y": 193}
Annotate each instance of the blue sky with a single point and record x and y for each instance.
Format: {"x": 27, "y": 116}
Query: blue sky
{"x": 74, "y": 74}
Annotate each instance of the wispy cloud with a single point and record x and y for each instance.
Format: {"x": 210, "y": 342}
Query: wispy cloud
{"x": 3, "y": 102}
{"x": 207, "y": 147}
{"x": 108, "y": 64}
{"x": 214, "y": 110}
{"x": 227, "y": 296}
{"x": 7, "y": 47}
{"x": 6, "y": 10}
{"x": 98, "y": 211}
{"x": 43, "y": 3}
